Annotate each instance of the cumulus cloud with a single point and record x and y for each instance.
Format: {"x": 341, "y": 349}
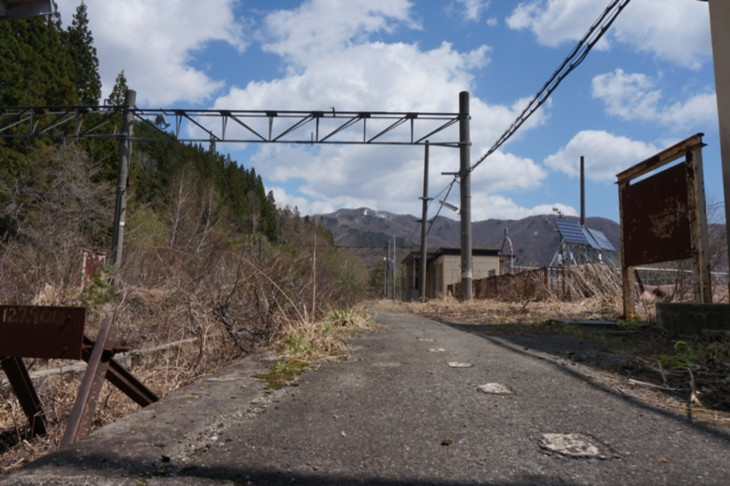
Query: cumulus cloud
{"x": 605, "y": 154}
{"x": 494, "y": 206}
{"x": 555, "y": 21}
{"x": 371, "y": 75}
{"x": 319, "y": 27}
{"x": 675, "y": 31}
{"x": 635, "y": 96}
{"x": 473, "y": 9}
{"x": 153, "y": 43}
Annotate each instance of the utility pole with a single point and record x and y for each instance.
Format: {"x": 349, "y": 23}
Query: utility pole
{"x": 424, "y": 221}
{"x": 720, "y": 28}
{"x": 394, "y": 265}
{"x": 386, "y": 269}
{"x": 582, "y": 192}
{"x": 465, "y": 189}
{"x": 123, "y": 179}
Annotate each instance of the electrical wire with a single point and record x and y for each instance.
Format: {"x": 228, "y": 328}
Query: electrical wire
{"x": 446, "y": 189}
{"x": 573, "y": 60}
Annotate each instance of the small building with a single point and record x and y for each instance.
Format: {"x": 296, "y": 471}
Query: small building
{"x": 443, "y": 268}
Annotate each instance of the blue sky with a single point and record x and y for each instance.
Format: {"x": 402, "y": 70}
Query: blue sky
{"x": 647, "y": 85}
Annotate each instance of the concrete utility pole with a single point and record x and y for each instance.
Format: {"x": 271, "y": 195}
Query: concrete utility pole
{"x": 394, "y": 269}
{"x": 120, "y": 209}
{"x": 582, "y": 192}
{"x": 386, "y": 269}
{"x": 465, "y": 189}
{"x": 424, "y": 223}
{"x": 720, "y": 27}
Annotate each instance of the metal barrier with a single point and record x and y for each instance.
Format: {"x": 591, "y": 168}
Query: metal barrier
{"x": 58, "y": 333}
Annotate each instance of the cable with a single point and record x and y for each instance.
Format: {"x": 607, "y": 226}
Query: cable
{"x": 448, "y": 190}
{"x": 573, "y": 60}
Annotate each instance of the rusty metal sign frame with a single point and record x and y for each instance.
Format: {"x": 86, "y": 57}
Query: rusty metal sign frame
{"x": 65, "y": 326}
{"x": 663, "y": 217}
{"x": 41, "y": 332}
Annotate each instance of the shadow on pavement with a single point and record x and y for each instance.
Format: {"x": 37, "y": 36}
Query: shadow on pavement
{"x": 552, "y": 348}
{"x": 100, "y": 465}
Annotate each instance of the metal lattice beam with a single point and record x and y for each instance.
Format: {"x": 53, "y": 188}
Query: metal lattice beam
{"x": 236, "y": 126}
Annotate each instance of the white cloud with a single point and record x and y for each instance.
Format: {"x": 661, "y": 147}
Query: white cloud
{"x": 675, "y": 31}
{"x": 154, "y": 42}
{"x": 555, "y": 21}
{"x": 369, "y": 76}
{"x": 605, "y": 154}
{"x": 500, "y": 207}
{"x": 319, "y": 27}
{"x": 634, "y": 96}
{"x": 502, "y": 172}
{"x": 357, "y": 74}
{"x": 630, "y": 96}
{"x": 473, "y": 8}
{"x": 304, "y": 206}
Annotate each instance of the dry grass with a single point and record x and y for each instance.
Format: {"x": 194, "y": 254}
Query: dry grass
{"x": 312, "y": 341}
{"x": 498, "y": 312}
{"x": 163, "y": 370}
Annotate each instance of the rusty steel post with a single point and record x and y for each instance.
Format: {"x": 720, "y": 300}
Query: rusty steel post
{"x": 20, "y": 382}
{"x": 121, "y": 378}
{"x": 79, "y": 422}
{"x": 465, "y": 190}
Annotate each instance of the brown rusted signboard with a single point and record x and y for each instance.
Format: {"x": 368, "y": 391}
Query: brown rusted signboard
{"x": 41, "y": 332}
{"x": 656, "y": 218}
{"x": 663, "y": 217}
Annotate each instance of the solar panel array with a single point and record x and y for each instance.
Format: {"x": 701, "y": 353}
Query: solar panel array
{"x": 601, "y": 240}
{"x": 573, "y": 233}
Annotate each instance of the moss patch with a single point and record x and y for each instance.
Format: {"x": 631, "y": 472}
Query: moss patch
{"x": 283, "y": 373}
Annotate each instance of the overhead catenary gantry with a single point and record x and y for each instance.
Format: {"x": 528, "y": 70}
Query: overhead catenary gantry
{"x": 215, "y": 126}
{"x": 237, "y": 126}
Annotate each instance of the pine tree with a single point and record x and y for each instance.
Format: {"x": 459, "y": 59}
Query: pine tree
{"x": 119, "y": 92}
{"x": 86, "y": 64}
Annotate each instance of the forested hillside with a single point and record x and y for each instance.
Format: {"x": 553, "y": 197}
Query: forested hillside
{"x": 205, "y": 245}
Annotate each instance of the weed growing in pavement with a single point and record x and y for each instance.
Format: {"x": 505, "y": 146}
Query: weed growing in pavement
{"x": 306, "y": 342}
{"x": 283, "y": 373}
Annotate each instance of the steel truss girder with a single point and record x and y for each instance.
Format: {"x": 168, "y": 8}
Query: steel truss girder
{"x": 248, "y": 126}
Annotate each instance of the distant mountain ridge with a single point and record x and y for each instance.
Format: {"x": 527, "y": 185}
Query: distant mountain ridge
{"x": 534, "y": 238}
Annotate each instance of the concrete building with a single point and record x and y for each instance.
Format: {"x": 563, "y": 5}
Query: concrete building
{"x": 443, "y": 268}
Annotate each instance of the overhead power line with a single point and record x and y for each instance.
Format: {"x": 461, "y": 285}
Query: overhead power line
{"x": 573, "y": 60}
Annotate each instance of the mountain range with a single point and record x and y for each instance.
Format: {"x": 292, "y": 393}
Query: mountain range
{"x": 366, "y": 232}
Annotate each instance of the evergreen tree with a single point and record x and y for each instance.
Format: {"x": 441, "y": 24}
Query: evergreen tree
{"x": 35, "y": 68}
{"x": 119, "y": 91}
{"x": 86, "y": 64}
